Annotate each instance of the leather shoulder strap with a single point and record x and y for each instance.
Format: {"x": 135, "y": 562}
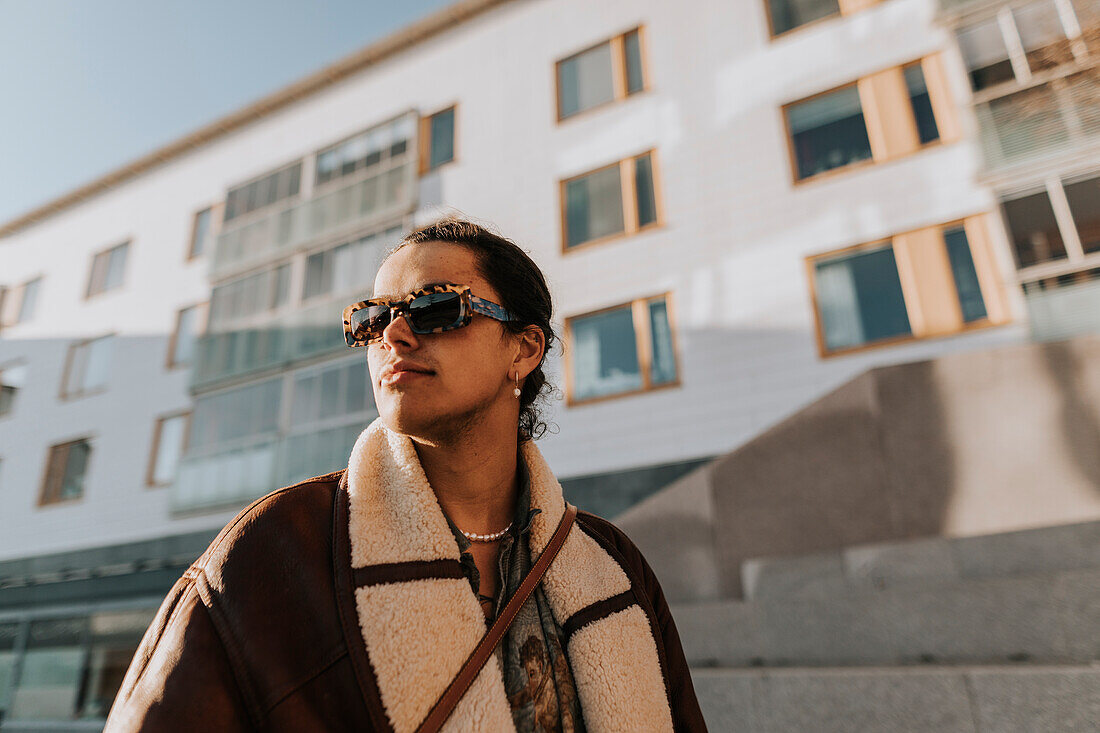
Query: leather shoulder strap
{"x": 446, "y": 703}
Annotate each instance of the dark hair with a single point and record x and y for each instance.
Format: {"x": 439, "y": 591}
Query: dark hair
{"x": 523, "y": 291}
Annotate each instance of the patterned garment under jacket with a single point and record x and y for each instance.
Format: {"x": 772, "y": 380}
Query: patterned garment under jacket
{"x": 532, "y": 658}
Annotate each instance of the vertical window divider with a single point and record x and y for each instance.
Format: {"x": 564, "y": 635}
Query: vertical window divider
{"x": 1016, "y": 54}
{"x": 1072, "y": 26}
{"x": 939, "y": 96}
{"x": 910, "y": 288}
{"x": 1064, "y": 216}
{"x": 630, "y": 197}
{"x": 639, "y": 311}
{"x": 618, "y": 67}
{"x": 979, "y": 236}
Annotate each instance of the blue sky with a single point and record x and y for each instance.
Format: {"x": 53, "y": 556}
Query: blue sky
{"x": 88, "y": 85}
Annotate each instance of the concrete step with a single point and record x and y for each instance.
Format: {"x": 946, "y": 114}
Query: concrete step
{"x": 995, "y": 699}
{"x": 1038, "y": 618}
{"x": 923, "y": 563}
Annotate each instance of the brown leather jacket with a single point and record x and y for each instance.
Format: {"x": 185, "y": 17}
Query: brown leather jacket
{"x": 261, "y": 632}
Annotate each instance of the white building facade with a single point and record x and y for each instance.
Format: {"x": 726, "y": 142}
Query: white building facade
{"x": 736, "y": 212}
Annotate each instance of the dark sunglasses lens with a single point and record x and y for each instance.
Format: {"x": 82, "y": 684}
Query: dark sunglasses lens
{"x": 435, "y": 310}
{"x": 368, "y": 323}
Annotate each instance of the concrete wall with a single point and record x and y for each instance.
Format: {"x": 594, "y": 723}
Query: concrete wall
{"x": 962, "y": 445}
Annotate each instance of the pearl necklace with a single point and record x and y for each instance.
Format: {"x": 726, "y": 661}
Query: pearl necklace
{"x": 493, "y": 537}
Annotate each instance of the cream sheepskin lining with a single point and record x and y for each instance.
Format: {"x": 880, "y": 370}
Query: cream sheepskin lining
{"x": 418, "y": 633}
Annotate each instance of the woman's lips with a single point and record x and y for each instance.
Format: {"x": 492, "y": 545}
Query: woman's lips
{"x": 404, "y": 377}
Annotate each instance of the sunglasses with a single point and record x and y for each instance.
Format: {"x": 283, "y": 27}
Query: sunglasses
{"x": 434, "y": 309}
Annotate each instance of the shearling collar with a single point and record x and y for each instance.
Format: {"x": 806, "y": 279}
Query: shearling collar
{"x": 419, "y": 619}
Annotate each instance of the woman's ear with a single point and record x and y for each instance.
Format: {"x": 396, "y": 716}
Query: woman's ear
{"x": 532, "y": 346}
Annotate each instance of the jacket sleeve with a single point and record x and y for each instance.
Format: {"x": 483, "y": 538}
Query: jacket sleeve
{"x": 181, "y": 677}
{"x": 687, "y": 716}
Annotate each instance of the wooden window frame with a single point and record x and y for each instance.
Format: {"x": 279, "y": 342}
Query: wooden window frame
{"x": 629, "y": 194}
{"x": 202, "y": 316}
{"x": 995, "y": 308}
{"x": 792, "y": 158}
{"x": 772, "y": 35}
{"x": 424, "y": 142}
{"x": 618, "y": 71}
{"x": 919, "y": 63}
{"x": 844, "y": 8}
{"x": 947, "y": 127}
{"x": 215, "y": 210}
{"x": 154, "y": 451}
{"x": 7, "y": 366}
{"x": 65, "y": 372}
{"x": 88, "y": 292}
{"x": 639, "y": 311}
{"x": 14, "y": 298}
{"x": 49, "y": 491}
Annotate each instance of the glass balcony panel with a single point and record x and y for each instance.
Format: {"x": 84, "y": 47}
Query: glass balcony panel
{"x": 1064, "y": 312}
{"x": 376, "y": 192}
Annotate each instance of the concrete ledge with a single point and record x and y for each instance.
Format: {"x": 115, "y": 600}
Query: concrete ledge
{"x": 923, "y": 563}
{"x": 1051, "y": 618}
{"x": 907, "y": 700}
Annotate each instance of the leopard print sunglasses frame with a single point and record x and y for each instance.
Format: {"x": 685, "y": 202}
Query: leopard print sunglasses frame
{"x": 469, "y": 304}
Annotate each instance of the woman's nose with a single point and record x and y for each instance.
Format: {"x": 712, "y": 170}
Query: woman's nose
{"x": 398, "y": 331}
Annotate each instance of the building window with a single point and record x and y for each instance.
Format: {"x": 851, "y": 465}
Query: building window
{"x": 17, "y": 304}
{"x": 181, "y": 347}
{"x": 1083, "y": 198}
{"x": 236, "y": 416}
{"x": 332, "y": 392}
{"x": 828, "y": 131}
{"x": 438, "y": 139}
{"x": 621, "y": 350}
{"x": 12, "y": 379}
{"x": 985, "y": 53}
{"x": 786, "y": 15}
{"x": 882, "y": 116}
{"x": 88, "y": 366}
{"x": 263, "y": 192}
{"x": 66, "y": 468}
{"x": 200, "y": 233}
{"x": 9, "y": 635}
{"x": 603, "y": 73}
{"x": 860, "y": 299}
{"x": 248, "y": 296}
{"x": 168, "y": 446}
{"x": 1033, "y": 229}
{"x": 108, "y": 269}
{"x": 348, "y": 267}
{"x": 964, "y": 274}
{"x": 618, "y": 199}
{"x": 368, "y": 150}
{"x": 927, "y": 130}
{"x": 71, "y": 668}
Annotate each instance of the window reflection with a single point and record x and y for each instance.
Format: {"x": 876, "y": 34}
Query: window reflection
{"x": 49, "y": 682}
{"x": 1033, "y": 229}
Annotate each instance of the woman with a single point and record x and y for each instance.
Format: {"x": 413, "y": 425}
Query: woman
{"x": 351, "y": 600}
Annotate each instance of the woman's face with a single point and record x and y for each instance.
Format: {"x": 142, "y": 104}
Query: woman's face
{"x": 461, "y": 375}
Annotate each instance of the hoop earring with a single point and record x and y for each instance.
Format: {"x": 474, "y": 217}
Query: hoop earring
{"x": 516, "y": 391}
